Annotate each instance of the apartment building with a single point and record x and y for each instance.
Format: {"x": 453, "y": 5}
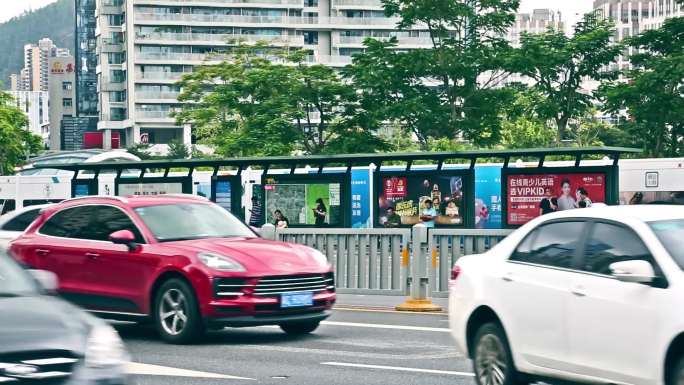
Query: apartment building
{"x": 632, "y": 17}
{"x": 540, "y": 20}
{"x": 145, "y": 46}
{"x": 61, "y": 95}
{"x": 34, "y": 76}
{"x": 34, "y": 104}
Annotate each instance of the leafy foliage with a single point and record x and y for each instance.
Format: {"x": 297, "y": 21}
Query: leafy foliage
{"x": 653, "y": 96}
{"x": 560, "y": 64}
{"x": 251, "y": 105}
{"x": 16, "y": 142}
{"x": 178, "y": 150}
{"x": 440, "y": 92}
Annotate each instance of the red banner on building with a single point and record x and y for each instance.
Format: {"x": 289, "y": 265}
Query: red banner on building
{"x": 531, "y": 195}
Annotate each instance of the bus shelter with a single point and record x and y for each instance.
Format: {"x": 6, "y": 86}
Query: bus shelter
{"x": 401, "y": 181}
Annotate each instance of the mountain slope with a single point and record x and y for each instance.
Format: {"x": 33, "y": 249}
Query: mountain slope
{"x": 55, "y": 21}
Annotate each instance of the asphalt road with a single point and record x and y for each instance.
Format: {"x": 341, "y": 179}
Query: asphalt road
{"x": 352, "y": 347}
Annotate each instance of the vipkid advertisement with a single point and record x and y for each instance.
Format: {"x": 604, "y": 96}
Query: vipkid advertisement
{"x": 532, "y": 195}
{"x": 407, "y": 195}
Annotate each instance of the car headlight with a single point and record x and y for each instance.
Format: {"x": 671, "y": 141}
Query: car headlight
{"x": 320, "y": 258}
{"x": 105, "y": 348}
{"x": 220, "y": 262}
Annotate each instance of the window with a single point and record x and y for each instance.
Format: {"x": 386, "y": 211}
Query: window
{"x": 670, "y": 233}
{"x": 69, "y": 223}
{"x": 553, "y": 245}
{"x": 7, "y": 205}
{"x": 108, "y": 220}
{"x": 191, "y": 221}
{"x": 21, "y": 221}
{"x": 67, "y": 102}
{"x": 609, "y": 244}
{"x": 67, "y": 86}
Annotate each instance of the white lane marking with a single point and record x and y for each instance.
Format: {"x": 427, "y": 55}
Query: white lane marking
{"x": 400, "y": 369}
{"x": 438, "y": 353}
{"x": 157, "y": 370}
{"x": 384, "y": 326}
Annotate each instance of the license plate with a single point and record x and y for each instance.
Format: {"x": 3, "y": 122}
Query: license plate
{"x": 299, "y": 299}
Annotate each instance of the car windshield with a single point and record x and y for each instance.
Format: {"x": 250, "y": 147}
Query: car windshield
{"x": 179, "y": 222}
{"x": 671, "y": 233}
{"x": 13, "y": 280}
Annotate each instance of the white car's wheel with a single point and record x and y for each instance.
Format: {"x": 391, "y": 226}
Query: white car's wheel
{"x": 492, "y": 360}
{"x": 677, "y": 375}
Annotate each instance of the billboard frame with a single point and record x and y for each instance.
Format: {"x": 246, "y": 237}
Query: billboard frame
{"x": 92, "y": 184}
{"x": 343, "y": 178}
{"x": 468, "y": 178}
{"x": 611, "y": 187}
{"x": 185, "y": 181}
{"x": 235, "y": 192}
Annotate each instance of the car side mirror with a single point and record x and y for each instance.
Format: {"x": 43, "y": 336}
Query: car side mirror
{"x": 124, "y": 237}
{"x": 46, "y": 279}
{"x": 633, "y": 271}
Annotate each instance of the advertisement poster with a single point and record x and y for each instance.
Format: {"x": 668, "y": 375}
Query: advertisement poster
{"x": 531, "y": 195}
{"x": 407, "y": 195}
{"x": 224, "y": 195}
{"x": 317, "y": 204}
{"x": 361, "y": 198}
{"x": 126, "y": 189}
{"x": 81, "y": 190}
{"x": 488, "y": 204}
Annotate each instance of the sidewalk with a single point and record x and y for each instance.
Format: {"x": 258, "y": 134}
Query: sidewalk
{"x": 378, "y": 302}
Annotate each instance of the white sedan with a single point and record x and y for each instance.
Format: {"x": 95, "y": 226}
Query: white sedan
{"x": 15, "y": 222}
{"x": 593, "y": 295}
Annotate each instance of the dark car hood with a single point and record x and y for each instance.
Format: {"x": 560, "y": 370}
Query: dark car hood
{"x": 42, "y": 323}
{"x": 258, "y": 255}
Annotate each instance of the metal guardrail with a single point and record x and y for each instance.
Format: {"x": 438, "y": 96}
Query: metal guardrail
{"x": 446, "y": 246}
{"x": 390, "y": 261}
{"x": 366, "y": 261}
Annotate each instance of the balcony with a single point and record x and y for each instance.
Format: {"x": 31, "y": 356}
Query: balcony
{"x": 154, "y": 116}
{"x": 217, "y": 39}
{"x": 152, "y": 77}
{"x": 357, "y": 4}
{"x": 151, "y": 95}
{"x": 336, "y": 22}
{"x": 258, "y": 3}
{"x": 108, "y": 45}
{"x": 403, "y": 41}
{"x": 111, "y": 86}
{"x": 183, "y": 57}
{"x": 340, "y": 21}
{"x": 179, "y": 18}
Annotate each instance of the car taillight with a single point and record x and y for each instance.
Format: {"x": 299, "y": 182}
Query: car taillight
{"x": 455, "y": 272}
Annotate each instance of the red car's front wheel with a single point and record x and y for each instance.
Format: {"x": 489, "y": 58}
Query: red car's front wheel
{"x": 176, "y": 313}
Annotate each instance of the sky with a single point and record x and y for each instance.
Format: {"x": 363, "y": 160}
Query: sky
{"x": 569, "y": 8}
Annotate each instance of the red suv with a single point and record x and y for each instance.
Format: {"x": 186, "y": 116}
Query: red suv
{"x": 180, "y": 261}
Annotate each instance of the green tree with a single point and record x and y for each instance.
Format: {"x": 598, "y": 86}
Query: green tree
{"x": 449, "y": 90}
{"x": 16, "y": 141}
{"x": 140, "y": 150}
{"x": 653, "y": 95}
{"x": 241, "y": 106}
{"x": 255, "y": 105}
{"x": 559, "y": 65}
{"x": 178, "y": 150}
{"x": 523, "y": 132}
